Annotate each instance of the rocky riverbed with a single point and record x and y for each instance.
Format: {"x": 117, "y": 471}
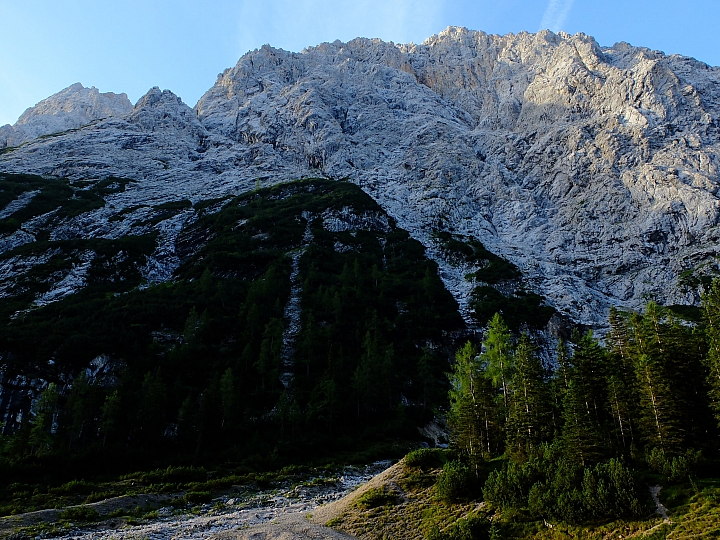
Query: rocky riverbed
{"x": 244, "y": 508}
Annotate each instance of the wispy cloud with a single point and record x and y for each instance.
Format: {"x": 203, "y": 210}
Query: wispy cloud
{"x": 295, "y": 24}
{"x": 555, "y": 15}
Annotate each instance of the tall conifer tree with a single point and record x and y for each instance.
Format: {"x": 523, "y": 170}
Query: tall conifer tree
{"x": 499, "y": 358}
{"x": 711, "y": 309}
{"x": 529, "y": 404}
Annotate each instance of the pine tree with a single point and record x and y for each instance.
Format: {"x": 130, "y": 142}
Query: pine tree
{"x": 529, "y": 403}
{"x": 581, "y": 433}
{"x": 498, "y": 358}
{"x": 472, "y": 406}
{"x": 43, "y": 426}
{"x": 110, "y": 414}
{"x": 711, "y": 308}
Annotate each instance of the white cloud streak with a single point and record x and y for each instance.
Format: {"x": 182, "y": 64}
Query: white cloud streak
{"x": 555, "y": 15}
{"x": 295, "y": 24}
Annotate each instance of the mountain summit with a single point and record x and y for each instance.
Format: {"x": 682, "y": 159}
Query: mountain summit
{"x": 71, "y": 108}
{"x": 593, "y": 169}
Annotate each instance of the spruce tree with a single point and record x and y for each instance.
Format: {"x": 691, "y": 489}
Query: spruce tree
{"x": 581, "y": 438}
{"x": 498, "y": 358}
{"x": 711, "y": 312}
{"x": 472, "y": 406}
{"x": 658, "y": 415}
{"x": 559, "y": 384}
{"x": 589, "y": 361}
{"x": 227, "y": 397}
{"x": 667, "y": 359}
{"x": 110, "y": 414}
{"x": 78, "y": 406}
{"x": 43, "y": 426}
{"x": 529, "y": 403}
{"x": 621, "y": 385}
{"x": 622, "y": 407}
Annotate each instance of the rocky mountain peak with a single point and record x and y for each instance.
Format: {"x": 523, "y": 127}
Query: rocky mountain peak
{"x": 593, "y": 169}
{"x": 71, "y": 108}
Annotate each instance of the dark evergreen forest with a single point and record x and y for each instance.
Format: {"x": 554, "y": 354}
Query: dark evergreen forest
{"x": 581, "y": 439}
{"x": 198, "y": 371}
{"x": 192, "y": 368}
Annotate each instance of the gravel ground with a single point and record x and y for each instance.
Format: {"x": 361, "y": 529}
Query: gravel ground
{"x": 234, "y": 515}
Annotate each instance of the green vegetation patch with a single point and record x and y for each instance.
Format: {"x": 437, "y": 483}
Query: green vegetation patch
{"x": 194, "y": 365}
{"x": 375, "y": 497}
{"x": 61, "y": 196}
{"x": 493, "y": 268}
{"x": 80, "y": 513}
{"x": 518, "y": 308}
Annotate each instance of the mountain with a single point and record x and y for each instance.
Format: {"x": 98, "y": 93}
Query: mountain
{"x": 74, "y": 107}
{"x": 593, "y": 169}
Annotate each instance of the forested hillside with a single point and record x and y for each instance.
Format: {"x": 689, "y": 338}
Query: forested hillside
{"x": 300, "y": 322}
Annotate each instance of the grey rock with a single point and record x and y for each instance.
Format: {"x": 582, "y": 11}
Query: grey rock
{"x": 594, "y": 169}
{"x": 71, "y": 108}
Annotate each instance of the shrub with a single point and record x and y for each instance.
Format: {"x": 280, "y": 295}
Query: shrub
{"x": 472, "y": 527}
{"x": 562, "y": 490}
{"x": 198, "y": 496}
{"x": 424, "y": 458}
{"x": 96, "y": 496}
{"x": 375, "y": 497}
{"x": 80, "y": 513}
{"x": 74, "y": 486}
{"x": 676, "y": 468}
{"x": 456, "y": 482}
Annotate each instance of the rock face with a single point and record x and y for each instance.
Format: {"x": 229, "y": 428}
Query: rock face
{"x": 71, "y": 108}
{"x": 594, "y": 169}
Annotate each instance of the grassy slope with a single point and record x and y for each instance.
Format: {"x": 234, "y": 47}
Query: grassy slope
{"x": 416, "y": 509}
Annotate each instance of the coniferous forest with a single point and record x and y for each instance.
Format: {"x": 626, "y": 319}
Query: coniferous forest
{"x": 203, "y": 371}
{"x": 576, "y": 437}
{"x": 199, "y": 370}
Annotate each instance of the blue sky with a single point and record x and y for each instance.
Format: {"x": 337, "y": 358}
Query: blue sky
{"x": 131, "y": 45}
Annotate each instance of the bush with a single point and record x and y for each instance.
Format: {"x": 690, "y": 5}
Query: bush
{"x": 98, "y": 496}
{"x": 456, "y": 482}
{"x": 561, "y": 490}
{"x": 473, "y": 527}
{"x": 80, "y": 513}
{"x": 674, "y": 469}
{"x": 198, "y": 497}
{"x": 74, "y": 486}
{"x": 169, "y": 475}
{"x": 375, "y": 497}
{"x": 424, "y": 458}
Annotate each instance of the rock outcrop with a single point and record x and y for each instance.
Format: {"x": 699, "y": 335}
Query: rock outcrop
{"x": 594, "y": 169}
{"x": 72, "y": 108}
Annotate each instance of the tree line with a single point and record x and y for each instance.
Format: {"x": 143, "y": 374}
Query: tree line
{"x": 197, "y": 361}
{"x": 649, "y": 397}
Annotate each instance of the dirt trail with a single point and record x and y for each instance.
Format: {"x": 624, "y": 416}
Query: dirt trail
{"x": 274, "y": 514}
{"x": 288, "y": 527}
{"x": 659, "y": 507}
{"x": 128, "y": 502}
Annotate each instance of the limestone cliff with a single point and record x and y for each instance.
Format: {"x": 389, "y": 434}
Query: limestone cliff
{"x": 594, "y": 169}
{"x": 71, "y": 108}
